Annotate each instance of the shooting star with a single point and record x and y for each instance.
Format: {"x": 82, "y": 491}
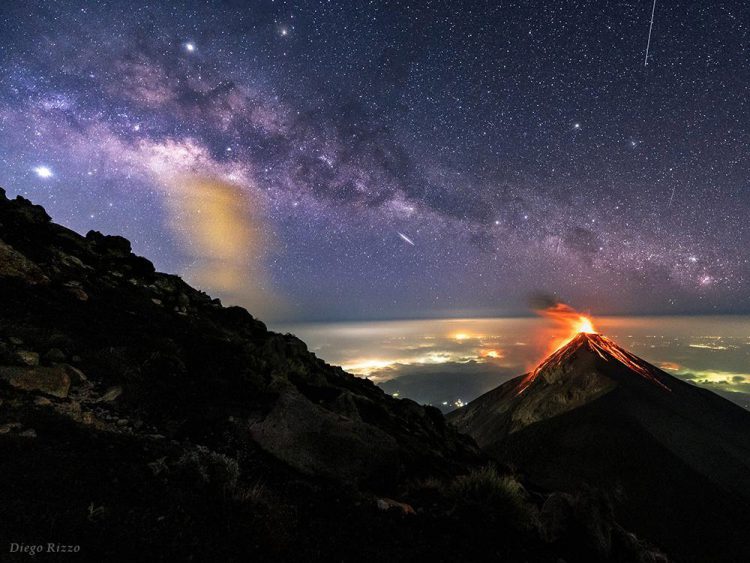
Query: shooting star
{"x": 650, "y": 27}
{"x": 406, "y": 239}
{"x": 671, "y": 197}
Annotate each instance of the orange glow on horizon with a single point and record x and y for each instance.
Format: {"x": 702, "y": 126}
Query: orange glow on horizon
{"x": 494, "y": 354}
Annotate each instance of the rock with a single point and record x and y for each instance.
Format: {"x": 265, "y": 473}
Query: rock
{"x": 51, "y": 380}
{"x": 76, "y": 375}
{"x": 9, "y": 426}
{"x": 28, "y": 433}
{"x": 74, "y": 261}
{"x": 13, "y": 264}
{"x": 74, "y": 289}
{"x": 158, "y": 466}
{"x": 632, "y": 548}
{"x": 30, "y": 213}
{"x": 26, "y": 358}
{"x": 110, "y": 245}
{"x": 388, "y": 504}
{"x": 183, "y": 301}
{"x": 15, "y": 341}
{"x": 42, "y": 401}
{"x": 54, "y": 356}
{"x": 318, "y": 442}
{"x": 110, "y": 395}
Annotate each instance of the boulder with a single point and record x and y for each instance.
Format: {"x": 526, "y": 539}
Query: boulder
{"x": 54, "y": 356}
{"x": 13, "y": 264}
{"x": 110, "y": 394}
{"x": 25, "y": 358}
{"x": 109, "y": 244}
{"x": 390, "y": 504}
{"x": 316, "y": 441}
{"x": 77, "y": 377}
{"x": 51, "y": 380}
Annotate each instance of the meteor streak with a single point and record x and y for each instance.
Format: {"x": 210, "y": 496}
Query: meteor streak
{"x": 650, "y": 27}
{"x": 406, "y": 239}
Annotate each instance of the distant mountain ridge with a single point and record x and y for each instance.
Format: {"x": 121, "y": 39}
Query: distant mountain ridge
{"x": 677, "y": 456}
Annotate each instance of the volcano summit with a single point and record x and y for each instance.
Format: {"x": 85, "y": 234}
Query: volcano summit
{"x": 674, "y": 457}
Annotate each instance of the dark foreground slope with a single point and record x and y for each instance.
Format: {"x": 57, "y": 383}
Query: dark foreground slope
{"x": 676, "y": 458}
{"x": 142, "y": 420}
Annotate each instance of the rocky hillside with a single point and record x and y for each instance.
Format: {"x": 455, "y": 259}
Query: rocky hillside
{"x": 141, "y": 419}
{"x": 88, "y": 321}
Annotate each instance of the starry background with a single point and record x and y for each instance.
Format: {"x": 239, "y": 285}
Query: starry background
{"x": 332, "y": 160}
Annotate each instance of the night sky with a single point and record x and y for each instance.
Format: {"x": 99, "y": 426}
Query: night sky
{"x": 343, "y": 159}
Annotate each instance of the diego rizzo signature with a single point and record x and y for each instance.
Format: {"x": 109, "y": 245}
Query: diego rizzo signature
{"x": 50, "y": 547}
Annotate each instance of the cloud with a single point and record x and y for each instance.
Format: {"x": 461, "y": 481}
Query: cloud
{"x": 224, "y": 231}
{"x": 718, "y": 379}
{"x": 218, "y": 216}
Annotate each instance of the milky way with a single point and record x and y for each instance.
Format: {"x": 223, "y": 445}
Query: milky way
{"x": 294, "y": 147}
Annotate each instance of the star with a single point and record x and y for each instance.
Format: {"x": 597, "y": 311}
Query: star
{"x": 43, "y": 172}
{"x": 190, "y": 47}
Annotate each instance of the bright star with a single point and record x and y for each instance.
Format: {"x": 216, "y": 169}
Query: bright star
{"x": 284, "y": 31}
{"x": 43, "y": 172}
{"x": 190, "y": 47}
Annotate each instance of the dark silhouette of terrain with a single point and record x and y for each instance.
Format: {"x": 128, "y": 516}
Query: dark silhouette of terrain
{"x": 674, "y": 457}
{"x": 143, "y": 421}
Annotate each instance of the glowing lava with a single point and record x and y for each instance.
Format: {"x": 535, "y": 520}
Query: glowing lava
{"x": 578, "y": 332}
{"x": 586, "y": 326}
{"x": 568, "y": 323}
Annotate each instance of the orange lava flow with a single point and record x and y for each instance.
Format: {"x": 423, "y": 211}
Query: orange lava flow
{"x": 604, "y": 348}
{"x": 580, "y": 328}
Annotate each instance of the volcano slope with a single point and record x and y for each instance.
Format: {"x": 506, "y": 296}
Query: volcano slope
{"x": 674, "y": 458}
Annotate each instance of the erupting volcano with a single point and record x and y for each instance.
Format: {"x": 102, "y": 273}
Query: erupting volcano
{"x": 579, "y": 332}
{"x": 593, "y": 414}
{"x": 605, "y": 348}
